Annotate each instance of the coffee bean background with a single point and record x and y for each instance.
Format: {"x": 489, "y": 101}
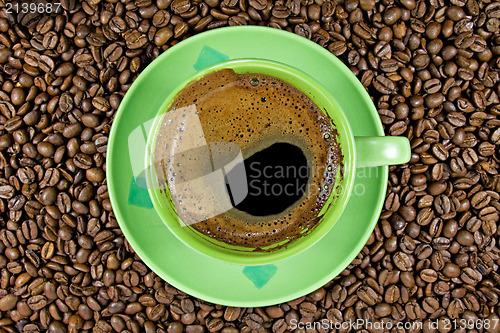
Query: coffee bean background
{"x": 432, "y": 68}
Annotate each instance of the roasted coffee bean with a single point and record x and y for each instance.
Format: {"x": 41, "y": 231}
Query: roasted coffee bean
{"x": 304, "y": 30}
{"x": 429, "y": 275}
{"x": 117, "y": 24}
{"x": 279, "y": 326}
{"x": 440, "y": 152}
{"x": 82, "y": 161}
{"x": 403, "y": 261}
{"x": 486, "y": 149}
{"x": 134, "y": 39}
{"x": 387, "y": 116}
{"x": 275, "y": 312}
{"x": 383, "y": 84}
{"x": 231, "y": 314}
{"x": 6, "y": 191}
{"x": 113, "y": 52}
{"x": 398, "y": 128}
{"x": 430, "y": 304}
{"x": 470, "y": 276}
{"x": 8, "y": 302}
{"x": 36, "y": 303}
{"x": 163, "y": 35}
{"x": 480, "y": 200}
{"x": 434, "y": 100}
{"x": 368, "y": 295}
{"x": 215, "y": 324}
{"x": 307, "y": 309}
{"x": 388, "y": 65}
{"x": 469, "y": 156}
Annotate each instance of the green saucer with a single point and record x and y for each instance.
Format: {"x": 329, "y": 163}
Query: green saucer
{"x": 186, "y": 269}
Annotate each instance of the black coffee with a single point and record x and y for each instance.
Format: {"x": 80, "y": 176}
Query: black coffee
{"x": 276, "y": 178}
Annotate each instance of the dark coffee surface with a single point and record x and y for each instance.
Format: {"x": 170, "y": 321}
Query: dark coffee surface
{"x": 277, "y": 177}
{"x": 254, "y": 112}
{"x": 431, "y": 68}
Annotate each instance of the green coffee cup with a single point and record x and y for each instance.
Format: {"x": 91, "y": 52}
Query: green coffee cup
{"x": 357, "y": 151}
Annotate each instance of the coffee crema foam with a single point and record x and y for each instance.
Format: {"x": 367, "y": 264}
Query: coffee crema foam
{"x": 252, "y": 111}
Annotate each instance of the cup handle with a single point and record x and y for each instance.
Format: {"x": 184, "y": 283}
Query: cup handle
{"x": 372, "y": 151}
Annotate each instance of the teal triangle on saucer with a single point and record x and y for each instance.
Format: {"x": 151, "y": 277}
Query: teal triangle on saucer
{"x": 209, "y": 56}
{"x": 260, "y": 275}
{"x": 138, "y": 194}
